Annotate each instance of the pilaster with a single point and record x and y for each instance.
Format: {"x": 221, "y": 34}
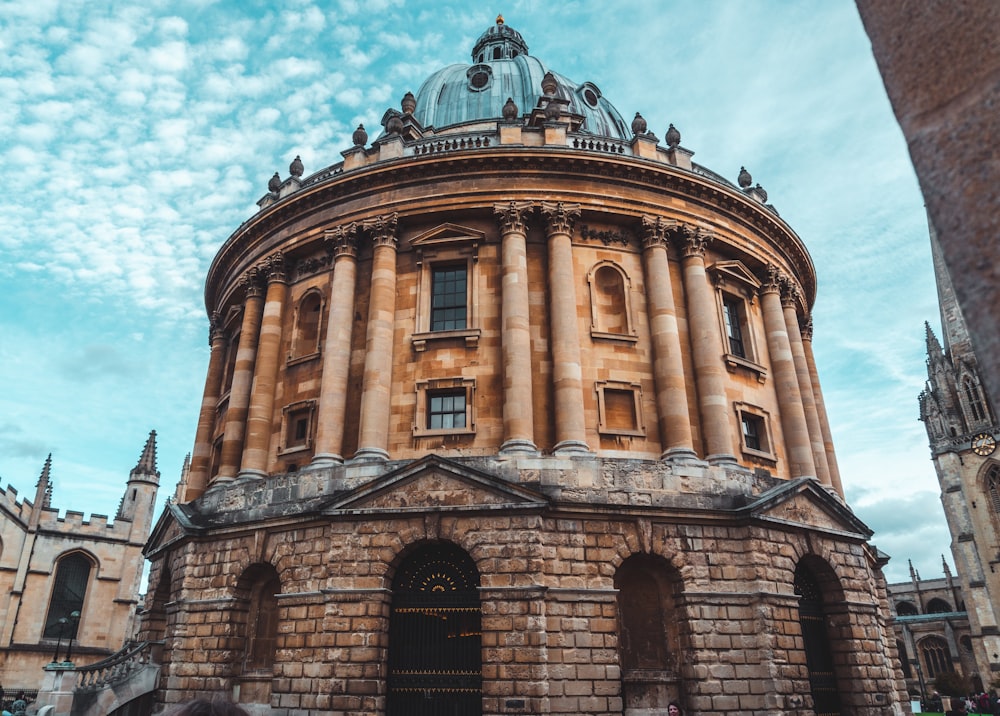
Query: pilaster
{"x": 201, "y": 456}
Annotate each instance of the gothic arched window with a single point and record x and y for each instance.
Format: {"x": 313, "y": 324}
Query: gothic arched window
{"x": 938, "y": 606}
{"x": 906, "y": 609}
{"x": 993, "y": 487}
{"x": 974, "y": 399}
{"x": 936, "y": 656}
{"x": 68, "y": 592}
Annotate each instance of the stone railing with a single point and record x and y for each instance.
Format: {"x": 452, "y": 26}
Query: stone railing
{"x": 452, "y": 144}
{"x": 132, "y": 657}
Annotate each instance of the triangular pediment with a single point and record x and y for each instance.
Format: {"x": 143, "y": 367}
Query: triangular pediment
{"x": 804, "y": 502}
{"x": 445, "y": 234}
{"x": 168, "y": 528}
{"x": 434, "y": 483}
{"x": 734, "y": 272}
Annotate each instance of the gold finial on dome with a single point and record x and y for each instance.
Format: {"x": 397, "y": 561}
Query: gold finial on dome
{"x": 499, "y": 19}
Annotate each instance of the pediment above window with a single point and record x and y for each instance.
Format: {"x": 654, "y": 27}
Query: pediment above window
{"x": 734, "y": 276}
{"x": 447, "y": 236}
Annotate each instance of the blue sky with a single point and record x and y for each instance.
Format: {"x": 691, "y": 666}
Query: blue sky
{"x": 138, "y": 135}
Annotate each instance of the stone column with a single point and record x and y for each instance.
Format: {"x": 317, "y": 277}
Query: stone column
{"x": 706, "y": 347}
{"x": 515, "y": 329}
{"x": 668, "y": 370}
{"x": 786, "y": 383}
{"x": 824, "y": 422}
{"x": 337, "y": 347}
{"x": 260, "y": 420}
{"x": 788, "y": 302}
{"x": 567, "y": 371}
{"x": 239, "y": 392}
{"x": 373, "y": 439}
{"x": 201, "y": 456}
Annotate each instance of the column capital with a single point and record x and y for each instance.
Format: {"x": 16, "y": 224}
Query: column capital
{"x": 807, "y": 328}
{"x": 655, "y": 229}
{"x": 773, "y": 280}
{"x": 215, "y": 331}
{"x": 342, "y": 240}
{"x": 512, "y": 215}
{"x": 789, "y": 292}
{"x": 254, "y": 282}
{"x": 694, "y": 240}
{"x": 559, "y": 217}
{"x": 276, "y": 268}
{"x": 382, "y": 229}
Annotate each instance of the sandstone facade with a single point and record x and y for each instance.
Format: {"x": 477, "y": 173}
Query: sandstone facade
{"x": 515, "y": 411}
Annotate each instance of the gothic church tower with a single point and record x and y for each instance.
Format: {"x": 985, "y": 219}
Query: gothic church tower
{"x": 962, "y": 429}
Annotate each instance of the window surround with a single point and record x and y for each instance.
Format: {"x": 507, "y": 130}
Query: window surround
{"x": 302, "y": 408}
{"x": 763, "y": 420}
{"x": 442, "y": 246}
{"x": 296, "y": 354}
{"x": 736, "y": 283}
{"x": 629, "y": 336}
{"x": 603, "y": 426}
{"x": 427, "y": 388}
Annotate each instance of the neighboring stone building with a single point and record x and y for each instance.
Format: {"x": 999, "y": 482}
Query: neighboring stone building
{"x": 963, "y": 431}
{"x": 932, "y": 631}
{"x": 54, "y": 568}
{"x": 515, "y": 412}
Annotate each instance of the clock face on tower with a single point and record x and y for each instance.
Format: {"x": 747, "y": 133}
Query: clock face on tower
{"x": 984, "y": 444}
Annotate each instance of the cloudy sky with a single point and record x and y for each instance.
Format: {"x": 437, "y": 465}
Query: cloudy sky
{"x": 138, "y": 135}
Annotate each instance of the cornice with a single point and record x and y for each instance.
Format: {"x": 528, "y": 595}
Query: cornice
{"x": 534, "y": 165}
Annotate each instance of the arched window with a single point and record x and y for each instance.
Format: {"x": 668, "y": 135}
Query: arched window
{"x": 435, "y": 635}
{"x": 816, "y": 639}
{"x": 974, "y": 399}
{"x": 936, "y": 656}
{"x": 993, "y": 487}
{"x": 906, "y": 609}
{"x": 68, "y": 593}
{"x": 305, "y": 339}
{"x": 648, "y": 632}
{"x": 938, "y": 606}
{"x": 610, "y": 310}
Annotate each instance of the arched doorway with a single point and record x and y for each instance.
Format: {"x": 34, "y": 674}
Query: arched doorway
{"x": 819, "y": 655}
{"x": 435, "y": 659}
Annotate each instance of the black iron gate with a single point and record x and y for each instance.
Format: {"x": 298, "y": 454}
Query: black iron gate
{"x": 819, "y": 657}
{"x": 435, "y": 660}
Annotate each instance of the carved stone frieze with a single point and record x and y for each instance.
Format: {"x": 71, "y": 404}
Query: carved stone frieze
{"x": 312, "y": 265}
{"x": 606, "y": 236}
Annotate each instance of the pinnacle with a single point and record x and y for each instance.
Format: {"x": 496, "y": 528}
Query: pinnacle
{"x": 147, "y": 461}
{"x": 46, "y": 472}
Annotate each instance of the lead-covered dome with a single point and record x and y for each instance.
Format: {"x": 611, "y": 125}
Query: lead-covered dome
{"x": 502, "y": 68}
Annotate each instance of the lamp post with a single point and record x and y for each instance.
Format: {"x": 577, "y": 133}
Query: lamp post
{"x": 62, "y": 622}
{"x": 74, "y": 618}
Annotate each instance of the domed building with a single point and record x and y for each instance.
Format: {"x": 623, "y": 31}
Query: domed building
{"x": 514, "y": 411}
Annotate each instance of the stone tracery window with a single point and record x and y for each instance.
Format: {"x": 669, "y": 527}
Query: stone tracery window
{"x": 936, "y": 656}
{"x": 992, "y": 483}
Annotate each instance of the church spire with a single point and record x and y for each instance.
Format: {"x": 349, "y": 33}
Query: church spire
{"x": 934, "y": 350}
{"x": 146, "y": 466}
{"x": 955, "y": 334}
{"x": 43, "y": 492}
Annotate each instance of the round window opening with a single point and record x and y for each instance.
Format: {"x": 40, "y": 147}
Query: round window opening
{"x": 591, "y": 97}
{"x": 479, "y": 79}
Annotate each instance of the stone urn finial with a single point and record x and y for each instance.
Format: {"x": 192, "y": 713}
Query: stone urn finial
{"x": 509, "y": 110}
{"x": 744, "y": 178}
{"x": 673, "y": 137}
{"x": 296, "y": 168}
{"x": 409, "y": 103}
{"x": 274, "y": 184}
{"x": 759, "y": 191}
{"x": 394, "y": 125}
{"x": 638, "y": 125}
{"x": 549, "y": 84}
{"x": 360, "y": 136}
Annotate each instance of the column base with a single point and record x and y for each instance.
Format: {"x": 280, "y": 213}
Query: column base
{"x": 680, "y": 454}
{"x": 220, "y": 481}
{"x": 250, "y": 475}
{"x": 326, "y": 460}
{"x": 518, "y": 446}
{"x": 722, "y": 459}
{"x": 572, "y": 447}
{"x": 370, "y": 455}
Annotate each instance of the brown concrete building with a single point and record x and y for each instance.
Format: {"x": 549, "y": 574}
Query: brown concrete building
{"x": 963, "y": 432}
{"x": 514, "y": 411}
{"x": 64, "y": 577}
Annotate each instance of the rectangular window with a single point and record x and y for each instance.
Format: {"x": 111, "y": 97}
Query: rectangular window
{"x": 298, "y": 426}
{"x": 445, "y": 410}
{"x": 619, "y": 409}
{"x": 753, "y": 429}
{"x": 732, "y": 313}
{"x": 449, "y": 294}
